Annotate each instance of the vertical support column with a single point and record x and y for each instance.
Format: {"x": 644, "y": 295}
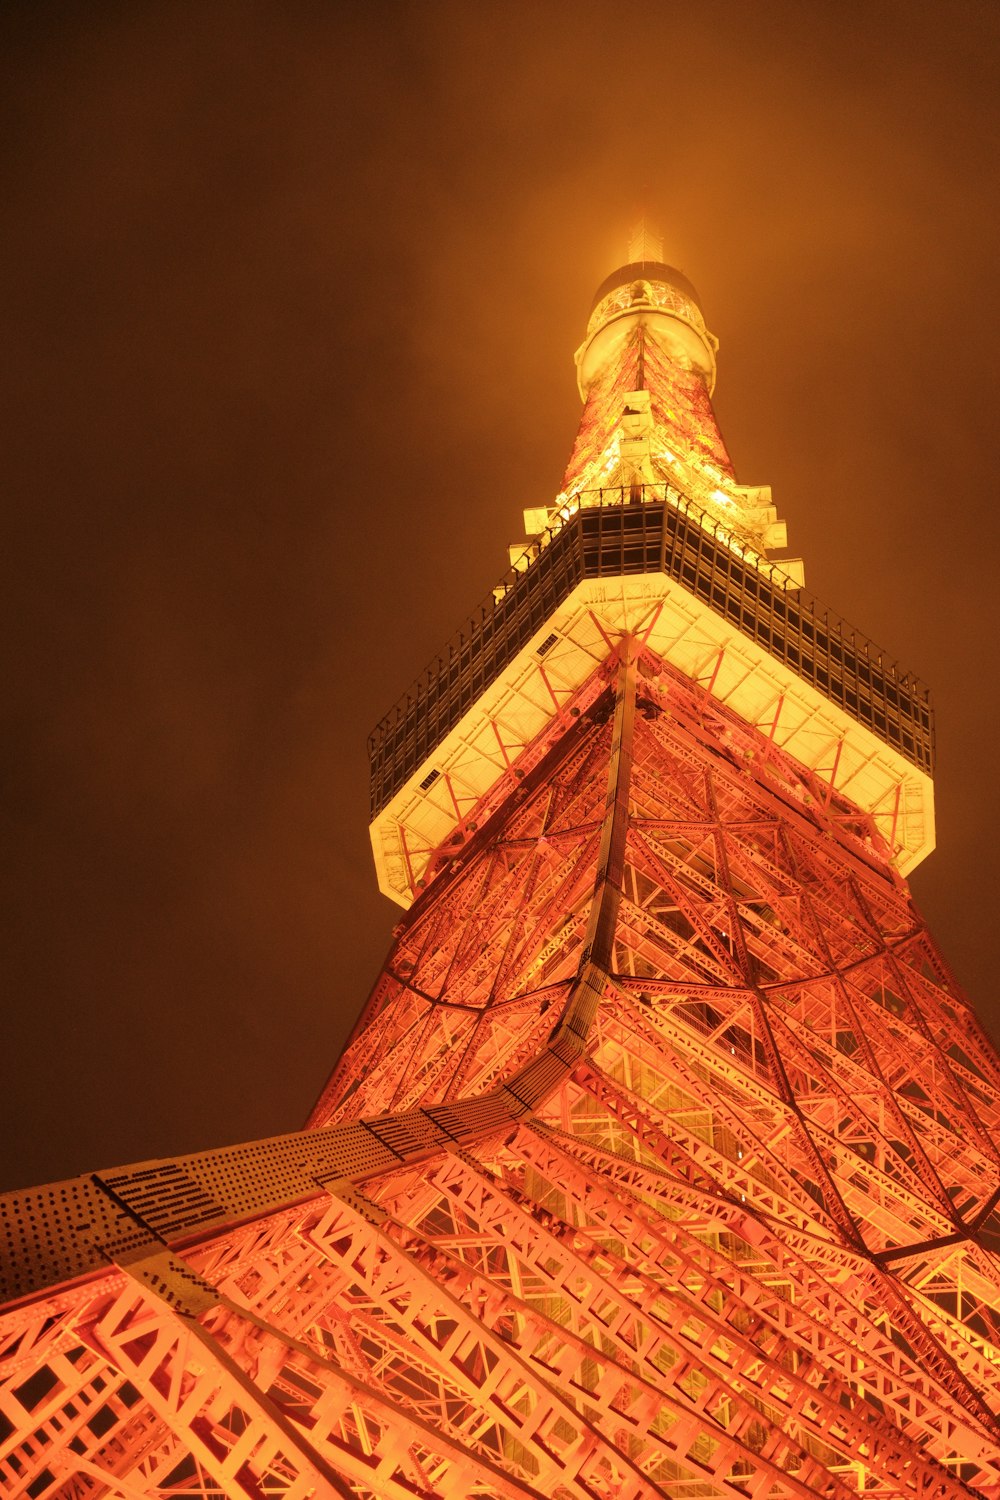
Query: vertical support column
{"x": 599, "y": 947}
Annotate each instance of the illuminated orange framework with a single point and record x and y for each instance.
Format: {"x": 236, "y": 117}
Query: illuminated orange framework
{"x": 664, "y": 1158}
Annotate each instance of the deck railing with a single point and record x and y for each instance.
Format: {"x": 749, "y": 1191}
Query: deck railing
{"x": 618, "y": 533}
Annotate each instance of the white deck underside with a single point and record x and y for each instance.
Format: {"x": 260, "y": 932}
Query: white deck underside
{"x": 689, "y": 636}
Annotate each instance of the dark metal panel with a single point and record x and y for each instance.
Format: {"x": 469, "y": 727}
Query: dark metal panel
{"x": 615, "y": 535}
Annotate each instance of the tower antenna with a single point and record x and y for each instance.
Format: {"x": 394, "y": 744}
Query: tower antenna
{"x": 645, "y": 245}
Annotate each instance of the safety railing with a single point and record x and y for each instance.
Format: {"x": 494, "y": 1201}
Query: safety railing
{"x": 616, "y": 533}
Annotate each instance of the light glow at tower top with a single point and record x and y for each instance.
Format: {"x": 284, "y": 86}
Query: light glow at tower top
{"x": 646, "y": 372}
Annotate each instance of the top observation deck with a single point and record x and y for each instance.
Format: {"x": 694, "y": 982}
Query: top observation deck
{"x": 617, "y": 534}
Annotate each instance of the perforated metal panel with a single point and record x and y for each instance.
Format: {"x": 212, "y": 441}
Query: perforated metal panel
{"x": 165, "y": 1196}
{"x": 56, "y": 1233}
{"x": 472, "y": 1118}
{"x": 408, "y": 1135}
{"x": 567, "y": 1047}
{"x": 190, "y": 1193}
{"x": 531, "y": 1085}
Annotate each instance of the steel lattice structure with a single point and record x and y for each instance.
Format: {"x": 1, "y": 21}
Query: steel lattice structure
{"x": 664, "y": 1158}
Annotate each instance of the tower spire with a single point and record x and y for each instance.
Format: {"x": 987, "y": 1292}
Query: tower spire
{"x": 645, "y": 243}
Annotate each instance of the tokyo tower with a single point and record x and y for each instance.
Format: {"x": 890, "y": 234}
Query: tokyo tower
{"x": 664, "y": 1159}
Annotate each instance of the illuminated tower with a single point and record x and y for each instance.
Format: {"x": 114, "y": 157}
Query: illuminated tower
{"x": 664, "y": 1158}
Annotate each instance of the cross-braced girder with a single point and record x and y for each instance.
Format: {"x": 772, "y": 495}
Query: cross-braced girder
{"x": 685, "y": 1181}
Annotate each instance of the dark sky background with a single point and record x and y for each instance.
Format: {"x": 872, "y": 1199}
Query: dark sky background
{"x": 291, "y": 293}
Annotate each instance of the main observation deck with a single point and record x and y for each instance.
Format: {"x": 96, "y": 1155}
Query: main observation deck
{"x": 823, "y": 690}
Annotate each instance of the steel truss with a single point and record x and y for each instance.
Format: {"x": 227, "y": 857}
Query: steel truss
{"x": 684, "y": 1180}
